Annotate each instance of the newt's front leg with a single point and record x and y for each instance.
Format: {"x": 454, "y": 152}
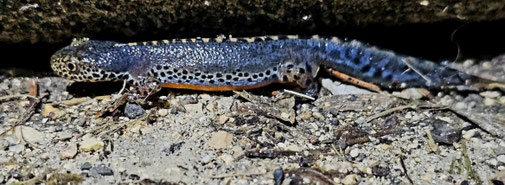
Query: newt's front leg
{"x": 141, "y": 89}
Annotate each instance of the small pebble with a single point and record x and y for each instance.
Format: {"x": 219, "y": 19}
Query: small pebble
{"x": 468, "y": 63}
{"x": 133, "y": 110}
{"x": 469, "y": 134}
{"x": 460, "y": 105}
{"x": 278, "y": 176}
{"x": 502, "y": 100}
{"x": 29, "y": 134}
{"x": 100, "y": 170}
{"x": 380, "y": 171}
{"x": 86, "y": 166}
{"x": 205, "y": 159}
{"x": 16, "y": 148}
{"x": 163, "y": 112}
{"x": 350, "y": 179}
{"x": 90, "y": 144}
{"x": 492, "y": 162}
{"x": 489, "y": 101}
{"x": 69, "y": 152}
{"x": 220, "y": 139}
{"x": 490, "y": 94}
{"x": 443, "y": 132}
{"x": 354, "y": 153}
{"x": 501, "y": 158}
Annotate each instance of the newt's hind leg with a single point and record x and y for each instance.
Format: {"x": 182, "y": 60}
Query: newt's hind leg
{"x": 300, "y": 73}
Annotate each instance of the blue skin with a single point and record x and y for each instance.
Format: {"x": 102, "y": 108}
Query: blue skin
{"x": 384, "y": 68}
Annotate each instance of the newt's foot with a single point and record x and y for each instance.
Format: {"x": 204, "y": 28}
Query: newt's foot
{"x": 139, "y": 94}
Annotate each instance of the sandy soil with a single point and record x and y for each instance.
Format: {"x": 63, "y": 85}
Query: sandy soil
{"x": 188, "y": 137}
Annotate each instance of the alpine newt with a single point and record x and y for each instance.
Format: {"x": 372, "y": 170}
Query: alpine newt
{"x": 226, "y": 63}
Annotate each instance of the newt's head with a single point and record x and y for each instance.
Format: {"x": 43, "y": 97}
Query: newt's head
{"x": 86, "y": 61}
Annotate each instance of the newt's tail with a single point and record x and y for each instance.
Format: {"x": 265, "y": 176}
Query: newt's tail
{"x": 393, "y": 71}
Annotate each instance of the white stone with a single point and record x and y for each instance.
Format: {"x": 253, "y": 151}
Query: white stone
{"x": 489, "y": 101}
{"x": 354, "y": 152}
{"x": 501, "y": 158}
{"x": 163, "y": 112}
{"x": 490, "y": 94}
{"x": 29, "y": 134}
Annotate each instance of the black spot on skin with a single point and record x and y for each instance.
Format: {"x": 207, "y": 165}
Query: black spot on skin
{"x": 179, "y": 81}
{"x": 165, "y": 68}
{"x": 249, "y": 79}
{"x": 184, "y": 77}
{"x": 289, "y": 66}
{"x": 170, "y": 72}
{"x": 260, "y": 75}
{"x": 377, "y": 74}
{"x": 212, "y": 81}
{"x": 246, "y": 74}
{"x": 96, "y": 75}
{"x": 274, "y": 69}
{"x": 221, "y": 80}
{"x": 238, "y": 70}
{"x": 255, "y": 76}
{"x": 235, "y": 79}
{"x": 179, "y": 74}
{"x": 388, "y": 77}
{"x": 267, "y": 72}
{"x": 198, "y": 74}
{"x": 257, "y": 39}
{"x": 203, "y": 76}
{"x": 190, "y": 77}
{"x": 102, "y": 72}
{"x": 210, "y": 76}
{"x": 158, "y": 67}
{"x": 234, "y": 73}
{"x": 170, "y": 77}
{"x": 240, "y": 74}
{"x": 175, "y": 70}
{"x": 112, "y": 75}
{"x": 356, "y": 60}
{"x": 201, "y": 81}
{"x": 187, "y": 80}
{"x": 228, "y": 83}
{"x": 301, "y": 71}
{"x": 184, "y": 72}
{"x": 228, "y": 77}
{"x": 365, "y": 68}
{"x": 274, "y": 76}
{"x": 219, "y": 75}
{"x": 130, "y": 81}
{"x": 285, "y": 78}
{"x": 162, "y": 74}
{"x": 268, "y": 39}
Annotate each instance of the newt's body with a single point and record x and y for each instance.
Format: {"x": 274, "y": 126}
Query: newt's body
{"x": 223, "y": 64}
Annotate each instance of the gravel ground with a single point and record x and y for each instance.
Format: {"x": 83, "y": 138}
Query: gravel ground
{"x": 187, "y": 137}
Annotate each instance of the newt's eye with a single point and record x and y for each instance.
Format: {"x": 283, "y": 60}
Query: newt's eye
{"x": 71, "y": 67}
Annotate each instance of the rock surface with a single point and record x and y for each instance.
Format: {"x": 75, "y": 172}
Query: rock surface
{"x": 49, "y": 21}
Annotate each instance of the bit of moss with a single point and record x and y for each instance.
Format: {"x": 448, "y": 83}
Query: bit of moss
{"x": 471, "y": 173}
{"x": 64, "y": 178}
